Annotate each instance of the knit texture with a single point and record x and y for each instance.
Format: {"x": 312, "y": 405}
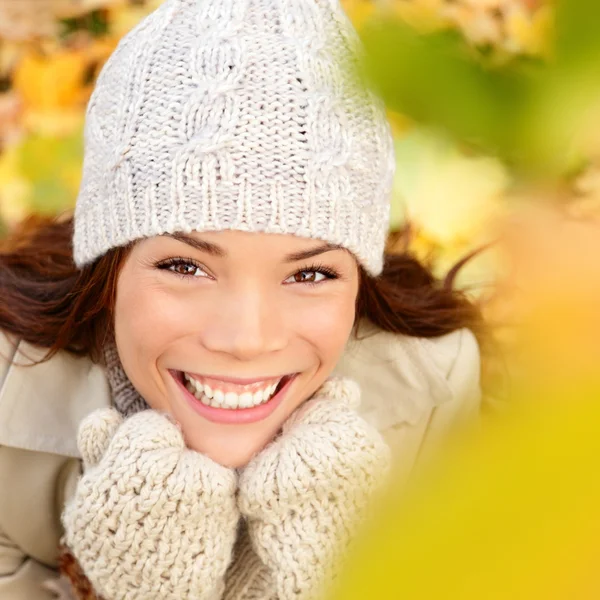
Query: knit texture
{"x": 126, "y": 399}
{"x": 150, "y": 518}
{"x": 306, "y": 493}
{"x": 236, "y": 114}
{"x": 248, "y": 578}
{"x": 150, "y": 515}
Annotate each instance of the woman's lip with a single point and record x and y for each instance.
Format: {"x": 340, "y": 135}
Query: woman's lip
{"x": 238, "y": 416}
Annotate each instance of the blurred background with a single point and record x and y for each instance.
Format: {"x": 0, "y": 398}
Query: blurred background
{"x": 495, "y": 107}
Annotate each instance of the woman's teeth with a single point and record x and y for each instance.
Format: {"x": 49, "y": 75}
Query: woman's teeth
{"x": 219, "y": 399}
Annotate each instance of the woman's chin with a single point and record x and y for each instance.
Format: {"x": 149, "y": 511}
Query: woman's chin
{"x": 233, "y": 451}
{"x": 228, "y": 445}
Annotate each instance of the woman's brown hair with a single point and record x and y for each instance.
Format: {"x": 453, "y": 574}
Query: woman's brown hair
{"x": 49, "y": 302}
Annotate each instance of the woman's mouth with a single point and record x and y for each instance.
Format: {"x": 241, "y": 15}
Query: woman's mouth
{"x": 223, "y": 395}
{"x": 226, "y": 402}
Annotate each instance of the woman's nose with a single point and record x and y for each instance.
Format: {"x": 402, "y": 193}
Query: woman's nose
{"x": 245, "y": 325}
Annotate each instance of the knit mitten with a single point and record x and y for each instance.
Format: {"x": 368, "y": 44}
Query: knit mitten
{"x": 150, "y": 518}
{"x": 306, "y": 492}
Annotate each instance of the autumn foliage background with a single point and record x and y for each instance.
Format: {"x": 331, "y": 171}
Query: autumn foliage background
{"x": 495, "y": 106}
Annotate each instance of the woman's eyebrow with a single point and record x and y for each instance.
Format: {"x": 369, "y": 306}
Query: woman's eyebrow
{"x": 216, "y": 250}
{"x": 304, "y": 254}
{"x": 201, "y": 245}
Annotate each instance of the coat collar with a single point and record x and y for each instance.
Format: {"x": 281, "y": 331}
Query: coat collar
{"x": 41, "y": 406}
{"x": 401, "y": 377}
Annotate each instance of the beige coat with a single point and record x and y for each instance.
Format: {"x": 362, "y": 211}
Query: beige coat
{"x": 414, "y": 391}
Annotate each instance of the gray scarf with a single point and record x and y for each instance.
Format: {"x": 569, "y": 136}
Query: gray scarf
{"x": 124, "y": 396}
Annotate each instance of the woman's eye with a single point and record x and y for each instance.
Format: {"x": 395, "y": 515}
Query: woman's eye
{"x": 183, "y": 268}
{"x": 307, "y": 277}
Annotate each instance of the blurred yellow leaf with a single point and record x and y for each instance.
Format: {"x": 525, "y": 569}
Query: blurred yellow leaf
{"x": 400, "y": 123}
{"x": 99, "y": 50}
{"x": 424, "y": 15}
{"x": 359, "y": 11}
{"x": 9, "y": 56}
{"x": 51, "y": 82}
{"x": 530, "y": 34}
{"x": 15, "y": 189}
{"x": 511, "y": 516}
{"x": 123, "y": 17}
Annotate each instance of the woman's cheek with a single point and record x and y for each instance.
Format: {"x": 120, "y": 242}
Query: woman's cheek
{"x": 148, "y": 324}
{"x": 326, "y": 325}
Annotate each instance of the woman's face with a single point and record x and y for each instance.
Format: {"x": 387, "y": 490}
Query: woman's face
{"x": 231, "y": 331}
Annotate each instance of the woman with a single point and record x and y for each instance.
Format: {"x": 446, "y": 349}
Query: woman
{"x": 226, "y": 249}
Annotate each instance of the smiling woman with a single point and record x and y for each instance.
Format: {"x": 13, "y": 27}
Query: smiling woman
{"x": 208, "y": 297}
{"x": 196, "y": 352}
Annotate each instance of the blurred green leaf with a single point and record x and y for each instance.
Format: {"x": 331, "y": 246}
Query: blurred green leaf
{"x": 435, "y": 80}
{"x": 577, "y": 40}
{"x": 53, "y": 167}
{"x": 527, "y": 112}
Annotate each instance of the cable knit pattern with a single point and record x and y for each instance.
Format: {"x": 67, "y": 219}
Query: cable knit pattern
{"x": 150, "y": 518}
{"x": 236, "y": 114}
{"x": 307, "y": 491}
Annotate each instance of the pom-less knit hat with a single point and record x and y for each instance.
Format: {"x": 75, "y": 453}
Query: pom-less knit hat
{"x": 236, "y": 114}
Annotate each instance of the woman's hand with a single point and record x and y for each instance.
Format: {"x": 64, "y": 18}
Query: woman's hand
{"x": 150, "y": 518}
{"x": 304, "y": 494}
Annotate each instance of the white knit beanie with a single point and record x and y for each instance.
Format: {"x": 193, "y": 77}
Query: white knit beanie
{"x": 236, "y": 114}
